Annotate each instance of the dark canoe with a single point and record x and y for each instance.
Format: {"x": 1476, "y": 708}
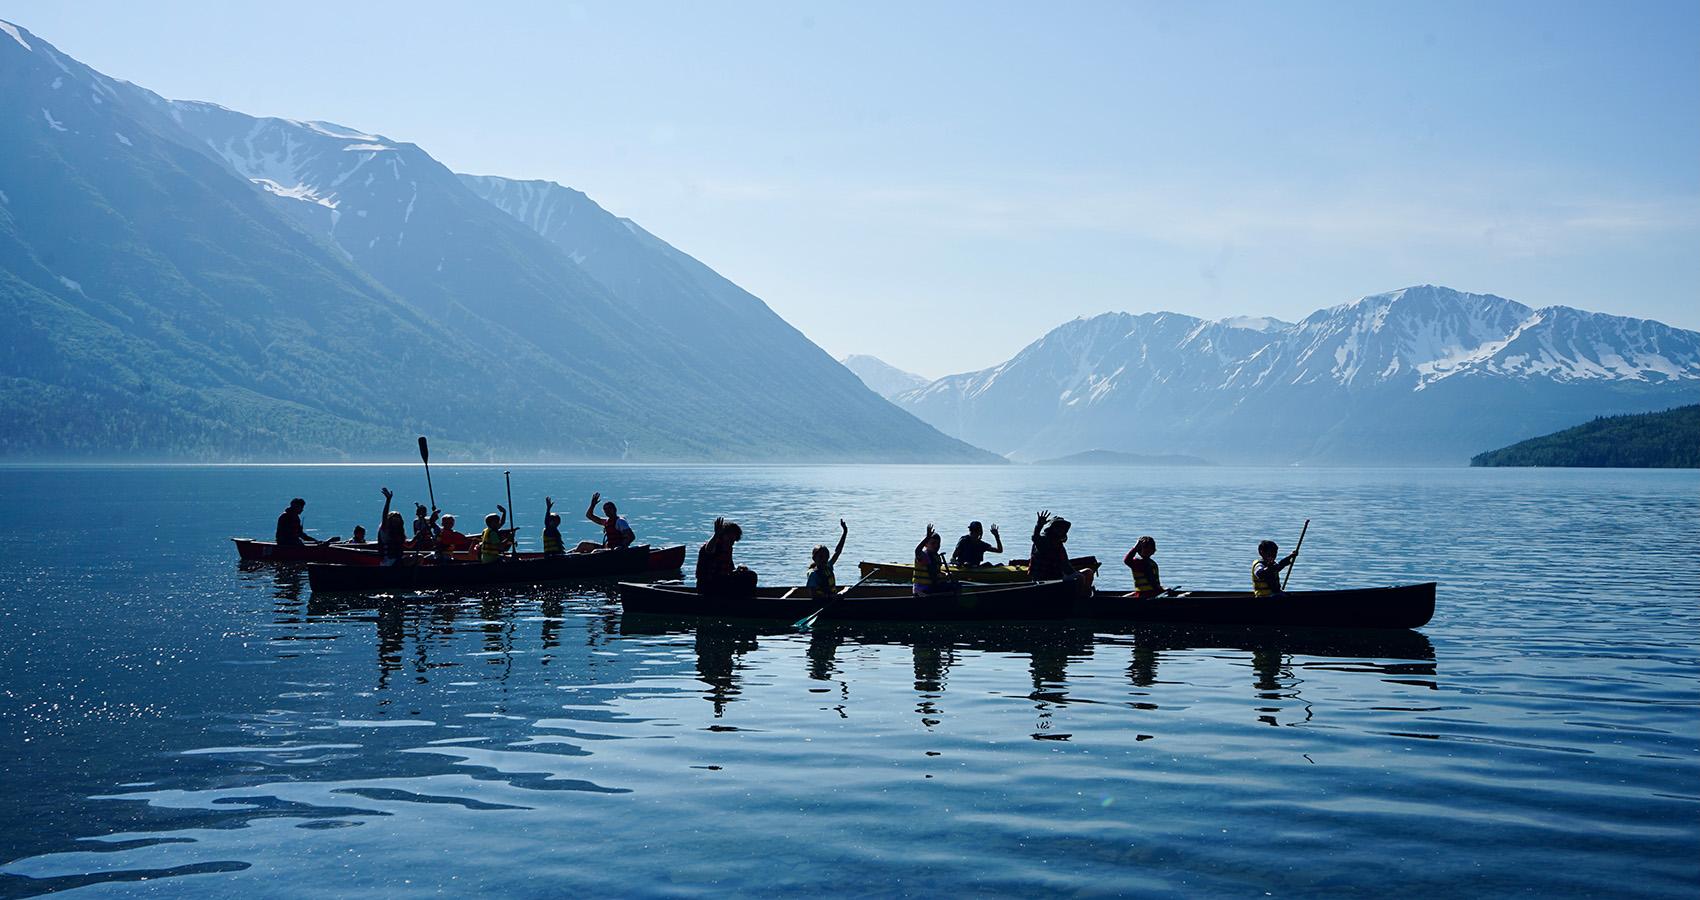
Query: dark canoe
{"x": 423, "y": 574}
{"x": 268, "y": 551}
{"x": 1406, "y": 606}
{"x": 971, "y": 603}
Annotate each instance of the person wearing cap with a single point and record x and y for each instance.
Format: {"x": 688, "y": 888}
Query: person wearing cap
{"x": 971, "y": 550}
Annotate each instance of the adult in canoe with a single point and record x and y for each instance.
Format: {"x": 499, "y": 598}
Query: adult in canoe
{"x": 928, "y": 575}
{"x": 617, "y": 533}
{"x": 971, "y": 550}
{"x": 1049, "y": 559}
{"x": 1146, "y": 581}
{"x": 1266, "y": 572}
{"x": 290, "y": 533}
{"x": 821, "y": 582}
{"x": 717, "y": 574}
{"x": 392, "y": 533}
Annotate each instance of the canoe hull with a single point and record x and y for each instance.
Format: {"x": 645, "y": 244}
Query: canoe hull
{"x": 427, "y": 574}
{"x": 1404, "y": 606}
{"x": 267, "y": 551}
{"x": 1045, "y": 600}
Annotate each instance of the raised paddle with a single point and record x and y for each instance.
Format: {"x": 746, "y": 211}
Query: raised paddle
{"x": 808, "y": 621}
{"x": 513, "y": 543}
{"x": 1300, "y": 544}
{"x": 425, "y": 457}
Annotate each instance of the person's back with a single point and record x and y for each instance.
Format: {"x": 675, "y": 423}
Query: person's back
{"x": 552, "y": 543}
{"x": 290, "y": 532}
{"x": 822, "y": 582}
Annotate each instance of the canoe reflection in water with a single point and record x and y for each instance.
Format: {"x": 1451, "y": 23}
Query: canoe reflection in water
{"x": 1404, "y": 657}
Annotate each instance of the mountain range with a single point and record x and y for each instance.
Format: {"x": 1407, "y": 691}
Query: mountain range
{"x": 1423, "y": 375}
{"x": 185, "y": 281}
{"x": 882, "y": 377}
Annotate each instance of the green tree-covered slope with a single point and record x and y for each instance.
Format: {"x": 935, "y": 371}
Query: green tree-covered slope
{"x": 1661, "y": 440}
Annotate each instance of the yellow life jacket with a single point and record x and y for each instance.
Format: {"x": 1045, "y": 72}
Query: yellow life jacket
{"x": 552, "y": 541}
{"x": 924, "y": 575}
{"x": 1261, "y": 588}
{"x": 1145, "y": 575}
{"x": 490, "y": 545}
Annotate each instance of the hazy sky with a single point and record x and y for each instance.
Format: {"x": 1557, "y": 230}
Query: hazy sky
{"x": 938, "y": 184}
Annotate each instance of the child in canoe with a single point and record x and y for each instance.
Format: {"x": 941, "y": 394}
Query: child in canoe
{"x": 1266, "y": 572}
{"x": 1146, "y": 583}
{"x": 928, "y": 577}
{"x": 822, "y": 583}
{"x": 493, "y": 542}
{"x": 552, "y": 545}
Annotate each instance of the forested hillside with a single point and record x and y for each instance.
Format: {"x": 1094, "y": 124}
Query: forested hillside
{"x": 1661, "y": 440}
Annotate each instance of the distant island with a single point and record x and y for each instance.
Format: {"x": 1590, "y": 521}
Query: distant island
{"x": 1118, "y": 458}
{"x": 1660, "y": 440}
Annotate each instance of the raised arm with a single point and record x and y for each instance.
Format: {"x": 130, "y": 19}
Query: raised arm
{"x": 548, "y": 507}
{"x": 385, "y": 515}
{"x": 921, "y": 546}
{"x": 844, "y": 533}
{"x": 1039, "y": 526}
{"x": 997, "y": 537}
{"x": 590, "y": 512}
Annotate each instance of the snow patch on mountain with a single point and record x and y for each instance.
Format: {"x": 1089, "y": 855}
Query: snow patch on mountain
{"x": 12, "y": 30}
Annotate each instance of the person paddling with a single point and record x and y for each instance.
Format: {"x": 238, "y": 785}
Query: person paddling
{"x": 971, "y": 550}
{"x": 1146, "y": 582}
{"x": 929, "y": 577}
{"x": 716, "y": 572}
{"x": 1266, "y": 572}
{"x": 392, "y": 533}
{"x": 552, "y": 545}
{"x": 616, "y": 531}
{"x": 290, "y": 533}
{"x": 822, "y": 582}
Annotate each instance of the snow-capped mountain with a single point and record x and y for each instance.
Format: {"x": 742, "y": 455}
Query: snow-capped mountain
{"x": 181, "y": 279}
{"x": 1425, "y": 374}
{"x": 882, "y": 377}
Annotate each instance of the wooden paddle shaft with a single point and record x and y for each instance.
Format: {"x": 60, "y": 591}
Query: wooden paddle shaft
{"x": 1296, "y": 553}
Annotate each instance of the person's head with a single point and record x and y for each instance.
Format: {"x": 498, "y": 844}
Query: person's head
{"x": 1267, "y": 549}
{"x": 359, "y": 533}
{"x": 1058, "y": 530}
{"x": 933, "y": 541}
{"x": 493, "y": 520}
{"x": 609, "y": 510}
{"x": 448, "y": 521}
{"x": 395, "y": 519}
{"x": 821, "y": 556}
{"x": 1145, "y": 546}
{"x": 297, "y": 505}
{"x": 420, "y": 512}
{"x": 733, "y": 533}
{"x": 553, "y": 520}
{"x": 975, "y": 529}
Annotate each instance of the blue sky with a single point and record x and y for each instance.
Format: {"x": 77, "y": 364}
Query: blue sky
{"x": 938, "y": 184}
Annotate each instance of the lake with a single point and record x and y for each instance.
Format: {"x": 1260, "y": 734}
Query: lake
{"x": 172, "y": 723}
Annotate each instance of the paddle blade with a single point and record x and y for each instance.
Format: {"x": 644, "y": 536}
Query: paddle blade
{"x": 805, "y": 622}
{"x": 424, "y": 450}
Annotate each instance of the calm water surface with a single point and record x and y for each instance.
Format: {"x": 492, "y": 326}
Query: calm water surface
{"x": 170, "y": 723}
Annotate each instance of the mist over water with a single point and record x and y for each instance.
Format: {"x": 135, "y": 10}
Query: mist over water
{"x": 168, "y": 719}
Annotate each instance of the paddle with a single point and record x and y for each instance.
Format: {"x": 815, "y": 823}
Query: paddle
{"x": 425, "y": 457}
{"x": 808, "y": 621}
{"x": 513, "y": 542}
{"x": 1301, "y": 543}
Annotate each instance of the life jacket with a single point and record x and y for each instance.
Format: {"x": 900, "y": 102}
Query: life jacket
{"x": 1145, "y": 579}
{"x": 1265, "y": 579}
{"x": 490, "y": 545}
{"x": 926, "y": 570}
{"x": 424, "y": 534}
{"x": 552, "y": 545}
{"x": 825, "y": 582}
{"x": 1050, "y": 560}
{"x": 617, "y": 533}
{"x": 714, "y": 559}
{"x": 451, "y": 539}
